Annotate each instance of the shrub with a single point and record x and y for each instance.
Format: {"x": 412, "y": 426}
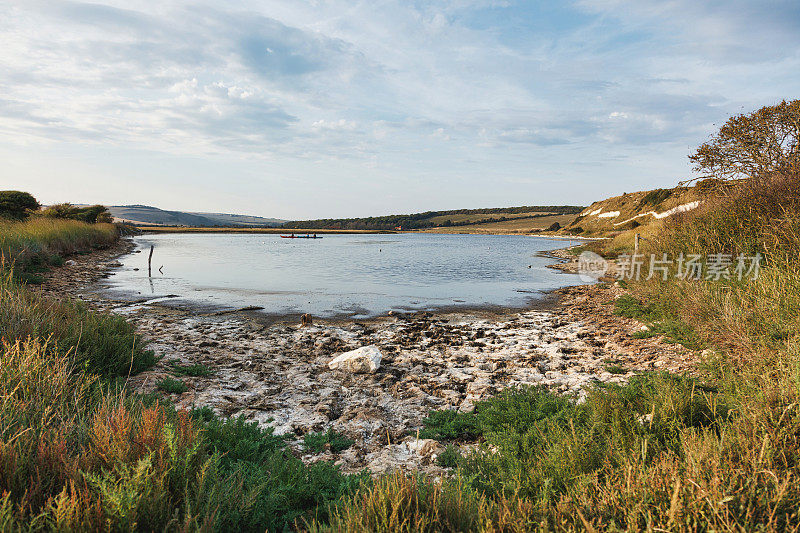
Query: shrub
{"x": 616, "y": 368}
{"x": 449, "y": 458}
{"x": 15, "y": 205}
{"x": 269, "y": 488}
{"x": 236, "y": 439}
{"x": 91, "y": 215}
{"x": 654, "y": 198}
{"x": 315, "y": 442}
{"x": 450, "y": 425}
{"x": 172, "y": 386}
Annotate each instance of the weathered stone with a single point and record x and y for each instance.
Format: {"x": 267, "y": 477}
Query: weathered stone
{"x": 366, "y": 359}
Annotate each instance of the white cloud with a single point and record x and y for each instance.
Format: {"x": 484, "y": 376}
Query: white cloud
{"x": 596, "y": 83}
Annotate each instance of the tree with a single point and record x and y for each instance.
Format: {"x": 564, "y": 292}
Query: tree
{"x": 94, "y": 214}
{"x": 91, "y": 214}
{"x": 65, "y": 210}
{"x": 753, "y": 144}
{"x": 16, "y": 204}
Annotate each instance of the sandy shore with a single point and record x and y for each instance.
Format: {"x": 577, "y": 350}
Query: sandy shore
{"x": 277, "y": 374}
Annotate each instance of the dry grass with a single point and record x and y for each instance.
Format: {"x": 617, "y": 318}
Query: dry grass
{"x": 630, "y": 205}
{"x": 524, "y": 225}
{"x": 43, "y": 237}
{"x": 461, "y": 218}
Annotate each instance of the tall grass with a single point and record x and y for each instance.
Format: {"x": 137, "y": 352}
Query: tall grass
{"x": 42, "y": 237}
{"x": 78, "y": 455}
{"x": 98, "y": 343}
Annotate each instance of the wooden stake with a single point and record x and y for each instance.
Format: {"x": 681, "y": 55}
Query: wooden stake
{"x": 150, "y": 263}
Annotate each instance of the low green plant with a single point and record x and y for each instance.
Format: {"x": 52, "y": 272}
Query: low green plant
{"x": 660, "y": 321}
{"x": 449, "y": 458}
{"x": 616, "y": 368}
{"x": 172, "y": 386}
{"x": 450, "y": 425}
{"x": 196, "y": 370}
{"x": 315, "y": 442}
{"x": 629, "y": 307}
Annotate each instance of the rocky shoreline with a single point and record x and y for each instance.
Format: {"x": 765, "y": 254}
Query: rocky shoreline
{"x": 278, "y": 374}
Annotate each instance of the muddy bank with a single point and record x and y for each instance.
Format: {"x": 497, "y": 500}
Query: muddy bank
{"x": 278, "y": 374}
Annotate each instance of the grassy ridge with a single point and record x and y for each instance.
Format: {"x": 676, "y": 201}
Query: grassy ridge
{"x": 431, "y": 219}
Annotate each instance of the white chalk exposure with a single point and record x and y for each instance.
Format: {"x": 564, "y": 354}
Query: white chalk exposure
{"x": 678, "y": 209}
{"x": 669, "y": 212}
{"x": 610, "y": 214}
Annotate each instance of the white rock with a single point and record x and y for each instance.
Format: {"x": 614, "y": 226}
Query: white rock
{"x": 422, "y": 447}
{"x": 366, "y": 359}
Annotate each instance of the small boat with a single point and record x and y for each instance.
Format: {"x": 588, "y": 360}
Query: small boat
{"x": 293, "y": 236}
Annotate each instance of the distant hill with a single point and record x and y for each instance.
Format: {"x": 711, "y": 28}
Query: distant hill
{"x": 146, "y": 215}
{"x": 438, "y": 219}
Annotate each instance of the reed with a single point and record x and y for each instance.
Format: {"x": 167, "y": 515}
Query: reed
{"x": 43, "y": 238}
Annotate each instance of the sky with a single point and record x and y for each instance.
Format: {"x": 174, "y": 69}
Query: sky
{"x": 313, "y": 109}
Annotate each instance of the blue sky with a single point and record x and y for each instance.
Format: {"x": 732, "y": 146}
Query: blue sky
{"x": 300, "y": 109}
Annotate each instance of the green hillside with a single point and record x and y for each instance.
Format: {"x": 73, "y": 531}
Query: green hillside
{"x": 432, "y": 219}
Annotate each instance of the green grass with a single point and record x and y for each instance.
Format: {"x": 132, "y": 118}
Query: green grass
{"x": 98, "y": 343}
{"x": 316, "y": 442}
{"x": 40, "y": 239}
{"x": 172, "y": 386}
{"x": 196, "y": 370}
{"x": 449, "y": 458}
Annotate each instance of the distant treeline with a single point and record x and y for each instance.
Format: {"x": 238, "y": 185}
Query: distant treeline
{"x": 425, "y": 220}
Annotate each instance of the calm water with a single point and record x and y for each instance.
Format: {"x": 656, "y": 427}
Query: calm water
{"x": 352, "y": 275}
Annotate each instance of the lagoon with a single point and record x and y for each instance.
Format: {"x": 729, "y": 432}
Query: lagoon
{"x": 354, "y": 276}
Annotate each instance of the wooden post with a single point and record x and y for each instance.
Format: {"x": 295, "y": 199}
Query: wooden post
{"x": 150, "y": 263}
